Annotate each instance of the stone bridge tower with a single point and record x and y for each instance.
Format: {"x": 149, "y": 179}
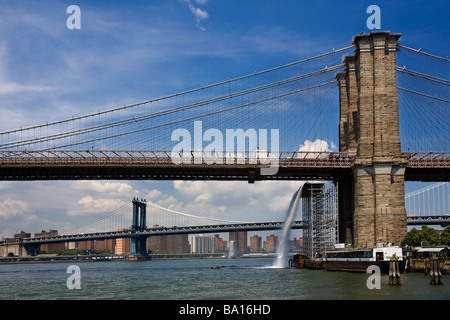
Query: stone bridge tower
{"x": 372, "y": 200}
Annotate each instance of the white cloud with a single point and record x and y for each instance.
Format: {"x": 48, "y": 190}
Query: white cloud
{"x": 11, "y": 207}
{"x": 90, "y": 206}
{"x": 198, "y": 13}
{"x": 154, "y": 194}
{"x": 234, "y": 200}
{"x": 103, "y": 187}
{"x": 317, "y": 145}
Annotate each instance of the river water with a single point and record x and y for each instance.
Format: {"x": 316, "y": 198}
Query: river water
{"x": 235, "y": 279}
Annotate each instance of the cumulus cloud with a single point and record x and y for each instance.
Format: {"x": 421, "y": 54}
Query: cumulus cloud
{"x": 198, "y": 13}
{"x": 90, "y": 206}
{"x": 315, "y": 147}
{"x": 234, "y": 200}
{"x": 11, "y": 207}
{"x": 103, "y": 187}
{"x": 154, "y": 194}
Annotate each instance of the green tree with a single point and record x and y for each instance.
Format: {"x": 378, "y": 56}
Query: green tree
{"x": 426, "y": 237}
{"x": 430, "y": 236}
{"x": 412, "y": 238}
{"x": 445, "y": 236}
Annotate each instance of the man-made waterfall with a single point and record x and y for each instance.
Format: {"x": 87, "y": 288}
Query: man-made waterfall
{"x": 281, "y": 260}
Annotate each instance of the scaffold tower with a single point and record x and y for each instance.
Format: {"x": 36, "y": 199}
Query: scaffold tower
{"x": 320, "y": 215}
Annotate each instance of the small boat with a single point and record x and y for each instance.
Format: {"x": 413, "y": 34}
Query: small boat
{"x": 360, "y": 259}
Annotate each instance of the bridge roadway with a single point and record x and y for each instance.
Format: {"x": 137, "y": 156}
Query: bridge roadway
{"x": 158, "y": 165}
{"x": 443, "y": 221}
{"x": 244, "y": 226}
{"x": 159, "y": 231}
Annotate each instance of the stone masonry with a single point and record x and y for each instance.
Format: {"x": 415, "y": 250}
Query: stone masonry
{"x": 372, "y": 208}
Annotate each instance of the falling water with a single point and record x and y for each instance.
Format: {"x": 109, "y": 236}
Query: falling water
{"x": 283, "y": 245}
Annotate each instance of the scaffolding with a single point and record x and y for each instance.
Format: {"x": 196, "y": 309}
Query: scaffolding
{"x": 320, "y": 215}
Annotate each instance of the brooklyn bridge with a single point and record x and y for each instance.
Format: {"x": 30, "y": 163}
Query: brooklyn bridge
{"x": 391, "y": 124}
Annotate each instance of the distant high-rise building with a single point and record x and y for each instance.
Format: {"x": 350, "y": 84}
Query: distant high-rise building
{"x": 202, "y": 244}
{"x": 271, "y": 243}
{"x": 50, "y": 247}
{"x": 169, "y": 243}
{"x": 255, "y": 244}
{"x": 107, "y": 244}
{"x": 219, "y": 244}
{"x": 296, "y": 245}
{"x": 241, "y": 240}
{"x": 86, "y": 245}
{"x": 22, "y": 235}
{"x": 123, "y": 245}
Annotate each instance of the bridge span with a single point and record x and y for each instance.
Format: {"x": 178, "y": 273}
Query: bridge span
{"x": 158, "y": 165}
{"x": 159, "y": 231}
{"x": 244, "y": 226}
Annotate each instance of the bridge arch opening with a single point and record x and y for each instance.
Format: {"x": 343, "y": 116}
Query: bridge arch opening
{"x": 10, "y": 254}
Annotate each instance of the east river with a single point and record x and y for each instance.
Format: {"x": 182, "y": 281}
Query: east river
{"x": 197, "y": 279}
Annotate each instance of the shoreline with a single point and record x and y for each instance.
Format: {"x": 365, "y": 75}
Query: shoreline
{"x": 92, "y": 258}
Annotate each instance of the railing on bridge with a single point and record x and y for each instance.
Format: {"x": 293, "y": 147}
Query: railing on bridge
{"x": 99, "y": 158}
{"x": 427, "y": 159}
{"x": 155, "y": 158}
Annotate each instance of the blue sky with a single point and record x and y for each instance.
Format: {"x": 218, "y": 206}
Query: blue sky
{"x": 130, "y": 51}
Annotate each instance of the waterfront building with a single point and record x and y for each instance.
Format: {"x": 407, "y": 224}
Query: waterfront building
{"x": 107, "y": 244}
{"x": 22, "y": 235}
{"x": 255, "y": 243}
{"x": 123, "y": 246}
{"x": 169, "y": 243}
{"x": 296, "y": 245}
{"x": 271, "y": 243}
{"x": 202, "y": 244}
{"x": 50, "y": 247}
{"x": 220, "y": 245}
{"x": 85, "y": 245}
{"x": 240, "y": 237}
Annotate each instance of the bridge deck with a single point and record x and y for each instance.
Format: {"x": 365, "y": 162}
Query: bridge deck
{"x": 158, "y": 231}
{"x": 247, "y": 226}
{"x": 159, "y": 165}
